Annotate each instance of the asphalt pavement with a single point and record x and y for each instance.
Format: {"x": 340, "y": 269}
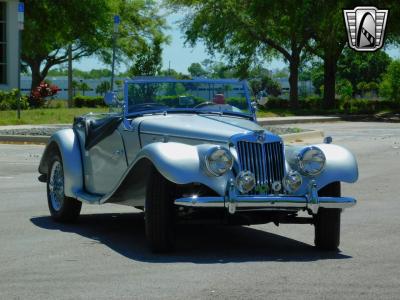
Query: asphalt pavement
{"x": 104, "y": 255}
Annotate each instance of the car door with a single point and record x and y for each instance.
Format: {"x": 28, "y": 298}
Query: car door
{"x": 104, "y": 163}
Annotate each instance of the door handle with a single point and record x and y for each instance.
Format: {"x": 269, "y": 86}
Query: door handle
{"x": 117, "y": 153}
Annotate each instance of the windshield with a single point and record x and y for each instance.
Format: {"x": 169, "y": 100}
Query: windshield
{"x": 223, "y": 96}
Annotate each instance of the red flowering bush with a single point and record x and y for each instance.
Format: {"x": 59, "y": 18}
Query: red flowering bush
{"x": 40, "y": 94}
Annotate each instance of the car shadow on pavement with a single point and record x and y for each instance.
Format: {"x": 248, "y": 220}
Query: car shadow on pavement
{"x": 124, "y": 233}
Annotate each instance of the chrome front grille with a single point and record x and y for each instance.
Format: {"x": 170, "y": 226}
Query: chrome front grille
{"x": 265, "y": 160}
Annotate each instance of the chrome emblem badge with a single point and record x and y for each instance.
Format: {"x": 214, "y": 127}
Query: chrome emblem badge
{"x": 276, "y": 186}
{"x": 365, "y": 27}
{"x": 260, "y": 136}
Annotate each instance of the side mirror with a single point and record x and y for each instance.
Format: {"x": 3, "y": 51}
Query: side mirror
{"x": 111, "y": 99}
{"x": 254, "y": 105}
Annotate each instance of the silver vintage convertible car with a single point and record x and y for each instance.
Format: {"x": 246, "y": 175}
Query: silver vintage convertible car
{"x": 191, "y": 151}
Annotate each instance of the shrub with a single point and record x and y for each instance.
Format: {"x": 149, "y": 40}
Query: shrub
{"x": 88, "y": 101}
{"x": 365, "y": 106}
{"x": 40, "y": 93}
{"x": 9, "y": 100}
{"x": 311, "y": 102}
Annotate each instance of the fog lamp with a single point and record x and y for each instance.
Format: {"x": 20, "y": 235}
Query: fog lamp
{"x": 245, "y": 181}
{"x": 292, "y": 181}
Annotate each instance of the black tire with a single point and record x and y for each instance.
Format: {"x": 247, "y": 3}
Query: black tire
{"x": 327, "y": 221}
{"x": 62, "y": 208}
{"x": 159, "y": 213}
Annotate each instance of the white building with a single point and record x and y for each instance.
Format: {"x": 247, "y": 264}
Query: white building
{"x": 8, "y": 44}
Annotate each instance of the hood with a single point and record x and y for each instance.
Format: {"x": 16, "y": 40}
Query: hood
{"x": 202, "y": 127}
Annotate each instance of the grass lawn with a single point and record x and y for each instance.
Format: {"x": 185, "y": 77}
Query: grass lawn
{"x": 45, "y": 116}
{"x": 66, "y": 115}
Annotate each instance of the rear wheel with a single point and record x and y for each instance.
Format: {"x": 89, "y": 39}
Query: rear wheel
{"x": 159, "y": 213}
{"x": 327, "y": 221}
{"x": 62, "y": 208}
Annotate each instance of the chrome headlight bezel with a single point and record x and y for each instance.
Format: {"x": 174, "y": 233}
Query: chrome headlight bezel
{"x": 311, "y": 161}
{"x": 219, "y": 155}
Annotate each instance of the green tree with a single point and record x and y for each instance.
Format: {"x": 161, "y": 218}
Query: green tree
{"x": 92, "y": 74}
{"x": 148, "y": 62}
{"x": 196, "y": 70}
{"x": 246, "y": 30}
{"x": 282, "y": 73}
{"x": 83, "y": 86}
{"x": 345, "y": 89}
{"x": 329, "y": 39}
{"x": 390, "y": 85}
{"x": 265, "y": 83}
{"x": 364, "y": 67}
{"x": 362, "y": 87}
{"x": 75, "y": 86}
{"x": 51, "y": 26}
{"x": 103, "y": 87}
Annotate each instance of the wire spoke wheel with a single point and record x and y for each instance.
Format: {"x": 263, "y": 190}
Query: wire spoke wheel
{"x": 56, "y": 186}
{"x": 62, "y": 208}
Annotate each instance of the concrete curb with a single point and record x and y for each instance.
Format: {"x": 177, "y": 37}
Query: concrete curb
{"x": 295, "y": 120}
{"x": 31, "y": 139}
{"x": 40, "y": 139}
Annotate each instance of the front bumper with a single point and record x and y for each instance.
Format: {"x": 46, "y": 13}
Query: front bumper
{"x": 233, "y": 201}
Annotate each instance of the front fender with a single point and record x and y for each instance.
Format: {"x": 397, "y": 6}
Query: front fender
{"x": 67, "y": 144}
{"x": 183, "y": 164}
{"x": 341, "y": 165}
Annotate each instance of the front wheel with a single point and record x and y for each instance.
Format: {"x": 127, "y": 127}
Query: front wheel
{"x": 327, "y": 221}
{"x": 159, "y": 213}
{"x": 62, "y": 208}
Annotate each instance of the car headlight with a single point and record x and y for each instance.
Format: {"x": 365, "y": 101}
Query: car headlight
{"x": 218, "y": 161}
{"x": 311, "y": 161}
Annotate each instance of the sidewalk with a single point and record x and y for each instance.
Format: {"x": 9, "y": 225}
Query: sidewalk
{"x": 295, "y": 120}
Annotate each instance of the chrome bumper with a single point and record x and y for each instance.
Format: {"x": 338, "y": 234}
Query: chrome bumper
{"x": 272, "y": 202}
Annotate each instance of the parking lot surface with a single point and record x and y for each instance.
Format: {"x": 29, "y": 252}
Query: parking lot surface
{"x": 104, "y": 255}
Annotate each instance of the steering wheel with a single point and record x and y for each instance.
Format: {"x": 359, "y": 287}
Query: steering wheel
{"x": 147, "y": 105}
{"x": 205, "y": 104}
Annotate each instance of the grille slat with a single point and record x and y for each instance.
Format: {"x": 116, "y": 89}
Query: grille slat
{"x": 265, "y": 161}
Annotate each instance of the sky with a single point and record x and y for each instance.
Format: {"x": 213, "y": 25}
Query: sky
{"x": 180, "y": 56}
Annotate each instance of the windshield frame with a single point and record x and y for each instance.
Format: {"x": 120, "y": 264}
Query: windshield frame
{"x": 127, "y": 114}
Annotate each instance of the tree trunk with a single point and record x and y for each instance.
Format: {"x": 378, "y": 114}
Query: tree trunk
{"x": 329, "y": 80}
{"x": 37, "y": 77}
{"x": 294, "y": 81}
